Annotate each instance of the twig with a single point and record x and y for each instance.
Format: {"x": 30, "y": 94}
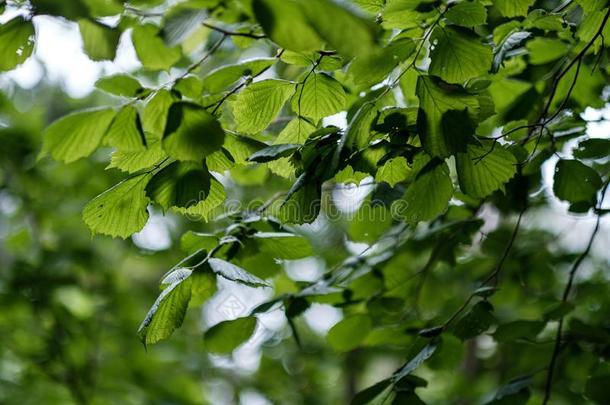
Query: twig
{"x": 233, "y": 33}
{"x": 566, "y": 294}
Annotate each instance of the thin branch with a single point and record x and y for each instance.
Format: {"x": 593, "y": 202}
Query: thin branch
{"x": 493, "y": 277}
{"x": 566, "y": 295}
{"x": 233, "y": 33}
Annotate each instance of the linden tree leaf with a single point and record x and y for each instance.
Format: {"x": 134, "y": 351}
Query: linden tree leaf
{"x": 458, "y": 55}
{"x": 258, "y": 104}
{"x": 77, "y": 135}
{"x": 319, "y": 97}
{"x": 121, "y": 210}
{"x": 191, "y": 132}
{"x": 16, "y": 42}
{"x": 226, "y": 336}
{"x": 485, "y": 168}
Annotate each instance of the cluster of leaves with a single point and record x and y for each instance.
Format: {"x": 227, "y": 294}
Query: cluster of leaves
{"x": 450, "y": 107}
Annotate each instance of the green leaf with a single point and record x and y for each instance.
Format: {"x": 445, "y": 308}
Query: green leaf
{"x": 515, "y": 392}
{"x": 119, "y": 85}
{"x": 154, "y": 116}
{"x": 169, "y": 310}
{"x": 373, "y": 69}
{"x": 393, "y": 171}
{"x": 485, "y": 168}
{"x": 241, "y": 147}
{"x": 125, "y": 131}
{"x": 16, "y": 42}
{"x": 121, "y": 210}
{"x": 458, "y": 55}
{"x": 513, "y": 8}
{"x": 226, "y": 336}
{"x": 203, "y": 287}
{"x": 189, "y": 86}
{"x": 476, "y": 321}
{"x": 373, "y": 392}
{"x": 104, "y": 8}
{"x": 302, "y": 206}
{"x": 596, "y": 388}
{"x": 187, "y": 188}
{"x": 259, "y": 103}
{"x": 99, "y": 41}
{"x": 295, "y": 132}
{"x": 333, "y": 23}
{"x": 359, "y": 130}
{"x": 191, "y": 241}
{"x": 508, "y": 43}
{"x": 135, "y": 160}
{"x": 283, "y": 245}
{"x": 151, "y": 49}
{"x": 511, "y": 331}
{"x": 180, "y": 22}
{"x": 435, "y": 100}
{"x": 575, "y": 182}
{"x": 348, "y": 176}
{"x": 191, "y": 133}
{"x": 273, "y": 152}
{"x": 319, "y": 97}
{"x": 428, "y": 195}
{"x": 349, "y": 333}
{"x": 424, "y": 354}
{"x": 77, "y": 135}
{"x": 234, "y": 273}
{"x": 467, "y": 14}
{"x": 221, "y": 78}
{"x": 593, "y": 148}
{"x": 285, "y": 23}
{"x": 545, "y": 50}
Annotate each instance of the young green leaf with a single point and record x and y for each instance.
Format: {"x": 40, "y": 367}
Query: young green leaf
{"x": 99, "y": 41}
{"x": 234, "y": 273}
{"x": 187, "y": 188}
{"x": 428, "y": 195}
{"x": 77, "y": 135}
{"x": 259, "y": 103}
{"x": 226, "y": 336}
{"x": 221, "y": 78}
{"x": 286, "y": 24}
{"x": 393, "y": 171}
{"x": 435, "y": 100}
{"x": 121, "y": 210}
{"x": 342, "y": 30}
{"x": 191, "y": 133}
{"x": 169, "y": 310}
{"x": 349, "y": 333}
{"x": 467, "y": 14}
{"x": 458, "y": 55}
{"x": 125, "y": 131}
{"x": 513, "y": 8}
{"x": 119, "y": 85}
{"x": 16, "y": 42}
{"x": 319, "y": 97}
{"x": 273, "y": 152}
{"x": 283, "y": 245}
{"x": 133, "y": 161}
{"x": 373, "y": 69}
{"x": 151, "y": 49}
{"x": 485, "y": 168}
{"x": 575, "y": 182}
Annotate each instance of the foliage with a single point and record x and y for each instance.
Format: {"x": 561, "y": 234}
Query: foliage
{"x": 453, "y": 109}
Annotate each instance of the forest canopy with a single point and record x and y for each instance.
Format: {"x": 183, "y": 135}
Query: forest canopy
{"x": 308, "y": 201}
